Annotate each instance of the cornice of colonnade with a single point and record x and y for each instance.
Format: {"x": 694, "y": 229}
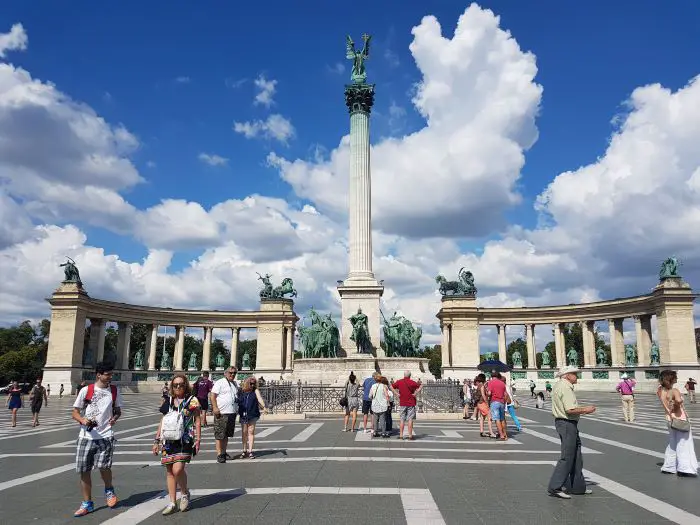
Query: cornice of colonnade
{"x": 164, "y": 316}
{"x": 625, "y": 307}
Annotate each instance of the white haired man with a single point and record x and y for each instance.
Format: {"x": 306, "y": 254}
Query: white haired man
{"x": 408, "y": 390}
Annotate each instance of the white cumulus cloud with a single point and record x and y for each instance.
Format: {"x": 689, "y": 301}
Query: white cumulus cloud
{"x": 265, "y": 91}
{"x": 15, "y": 40}
{"x": 273, "y": 127}
{"x": 212, "y": 159}
{"x": 457, "y": 175}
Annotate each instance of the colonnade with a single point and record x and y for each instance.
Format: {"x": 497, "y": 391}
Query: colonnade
{"x": 671, "y": 303}
{"x": 72, "y": 310}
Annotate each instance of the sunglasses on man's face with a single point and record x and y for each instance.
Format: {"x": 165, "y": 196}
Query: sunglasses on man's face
{"x": 178, "y": 385}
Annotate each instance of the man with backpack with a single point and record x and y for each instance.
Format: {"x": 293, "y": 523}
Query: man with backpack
{"x": 96, "y": 408}
{"x": 202, "y": 389}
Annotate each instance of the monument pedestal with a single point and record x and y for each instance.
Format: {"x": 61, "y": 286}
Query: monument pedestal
{"x": 336, "y": 370}
{"x": 353, "y": 296}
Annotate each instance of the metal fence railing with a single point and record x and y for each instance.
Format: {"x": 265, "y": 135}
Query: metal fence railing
{"x": 286, "y": 397}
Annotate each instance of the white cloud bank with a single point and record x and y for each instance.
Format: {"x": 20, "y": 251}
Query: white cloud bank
{"x": 606, "y": 225}
{"x": 15, "y": 40}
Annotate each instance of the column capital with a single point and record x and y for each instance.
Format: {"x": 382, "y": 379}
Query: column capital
{"x": 359, "y": 97}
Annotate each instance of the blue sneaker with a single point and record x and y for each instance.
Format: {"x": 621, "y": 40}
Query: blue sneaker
{"x": 86, "y": 507}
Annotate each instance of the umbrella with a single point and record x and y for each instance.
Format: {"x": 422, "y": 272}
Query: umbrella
{"x": 493, "y": 364}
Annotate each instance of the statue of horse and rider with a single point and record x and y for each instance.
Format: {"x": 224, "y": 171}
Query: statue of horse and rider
{"x": 360, "y": 332}
{"x": 278, "y": 292}
{"x": 464, "y": 286}
{"x": 322, "y": 338}
{"x": 401, "y": 338}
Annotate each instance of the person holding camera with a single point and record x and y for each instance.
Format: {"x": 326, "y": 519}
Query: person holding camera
{"x": 96, "y": 408}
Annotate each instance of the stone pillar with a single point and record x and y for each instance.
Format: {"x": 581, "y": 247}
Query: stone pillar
{"x": 152, "y": 346}
{"x": 588, "y": 333}
{"x": 675, "y": 324}
{"x": 642, "y": 328}
{"x": 275, "y": 314}
{"x": 206, "y": 351}
{"x": 235, "y": 337}
{"x": 617, "y": 342}
{"x": 445, "y": 344}
{"x": 290, "y": 348}
{"x": 179, "y": 347}
{"x": 531, "y": 346}
{"x": 360, "y": 289}
{"x": 64, "y": 357}
{"x": 460, "y": 348}
{"x": 123, "y": 345}
{"x": 97, "y": 339}
{"x": 559, "y": 344}
{"x": 501, "y": 329}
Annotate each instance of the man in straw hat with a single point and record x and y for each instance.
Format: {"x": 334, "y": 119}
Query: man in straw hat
{"x": 567, "y": 477}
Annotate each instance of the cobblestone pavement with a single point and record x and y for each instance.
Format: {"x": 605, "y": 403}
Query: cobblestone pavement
{"x": 308, "y": 471}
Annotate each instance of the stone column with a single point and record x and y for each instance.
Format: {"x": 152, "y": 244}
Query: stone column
{"x": 675, "y": 323}
{"x": 123, "y": 345}
{"x": 559, "y": 344}
{"x": 179, "y": 347}
{"x": 206, "y": 351}
{"x": 588, "y": 333}
{"x": 96, "y": 342}
{"x": 290, "y": 348}
{"x": 235, "y": 336}
{"x": 445, "y": 345}
{"x": 642, "y": 328}
{"x": 360, "y": 236}
{"x": 501, "y": 328}
{"x": 617, "y": 341}
{"x": 152, "y": 346}
{"x": 531, "y": 346}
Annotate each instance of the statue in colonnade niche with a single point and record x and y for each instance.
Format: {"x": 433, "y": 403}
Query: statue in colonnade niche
{"x": 546, "y": 359}
{"x": 654, "y": 354}
{"x": 138, "y": 360}
{"x": 278, "y": 292}
{"x": 669, "y": 268}
{"x": 165, "y": 361}
{"x": 601, "y": 358}
{"x": 630, "y": 355}
{"x": 572, "y": 357}
{"x": 219, "y": 361}
{"x": 463, "y": 287}
{"x": 517, "y": 359}
{"x": 70, "y": 271}
{"x": 245, "y": 365}
{"x": 192, "y": 364}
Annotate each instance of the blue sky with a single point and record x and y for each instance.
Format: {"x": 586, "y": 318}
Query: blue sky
{"x": 177, "y": 75}
{"x": 124, "y": 59}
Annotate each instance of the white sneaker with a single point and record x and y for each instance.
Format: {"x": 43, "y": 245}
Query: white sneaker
{"x": 184, "y": 502}
{"x": 169, "y": 509}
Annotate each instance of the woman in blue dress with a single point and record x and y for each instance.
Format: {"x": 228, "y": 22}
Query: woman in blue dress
{"x": 15, "y": 400}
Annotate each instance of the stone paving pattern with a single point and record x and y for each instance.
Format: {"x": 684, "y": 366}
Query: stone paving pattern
{"x": 468, "y": 478}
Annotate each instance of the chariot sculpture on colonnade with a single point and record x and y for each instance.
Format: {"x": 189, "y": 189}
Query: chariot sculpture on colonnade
{"x": 277, "y": 292}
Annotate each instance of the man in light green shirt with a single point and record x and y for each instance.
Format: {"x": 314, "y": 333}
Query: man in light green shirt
{"x": 567, "y": 477}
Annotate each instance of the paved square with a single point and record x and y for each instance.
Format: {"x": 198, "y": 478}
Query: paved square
{"x": 308, "y": 471}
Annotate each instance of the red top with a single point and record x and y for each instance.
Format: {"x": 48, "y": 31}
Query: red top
{"x": 497, "y": 389}
{"x": 406, "y": 388}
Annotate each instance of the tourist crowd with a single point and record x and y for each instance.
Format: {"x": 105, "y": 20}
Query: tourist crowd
{"x": 97, "y": 408}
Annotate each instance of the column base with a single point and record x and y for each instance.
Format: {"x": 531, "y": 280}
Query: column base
{"x": 353, "y": 296}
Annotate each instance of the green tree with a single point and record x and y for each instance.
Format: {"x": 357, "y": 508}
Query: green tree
{"x": 16, "y": 337}
{"x": 697, "y": 341}
{"x": 434, "y": 356}
{"x": 519, "y": 345}
{"x": 192, "y": 345}
{"x": 169, "y": 346}
{"x": 111, "y": 340}
{"x": 23, "y": 351}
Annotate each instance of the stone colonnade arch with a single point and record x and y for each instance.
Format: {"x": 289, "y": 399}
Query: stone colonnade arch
{"x": 671, "y": 302}
{"x": 72, "y": 307}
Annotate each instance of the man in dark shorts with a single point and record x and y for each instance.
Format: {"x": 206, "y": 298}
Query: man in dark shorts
{"x": 202, "y": 387}
{"x": 225, "y": 408}
{"x": 367, "y": 402}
